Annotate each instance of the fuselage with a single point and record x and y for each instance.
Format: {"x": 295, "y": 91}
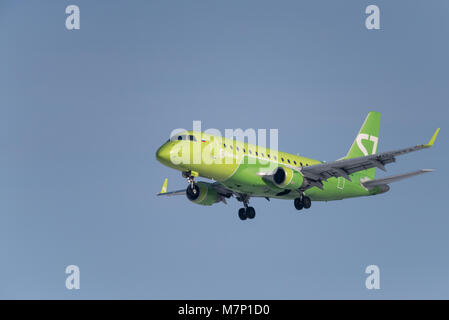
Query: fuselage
{"x": 237, "y": 166}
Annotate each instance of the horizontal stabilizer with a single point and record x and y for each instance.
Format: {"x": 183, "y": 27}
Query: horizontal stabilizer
{"x": 383, "y": 181}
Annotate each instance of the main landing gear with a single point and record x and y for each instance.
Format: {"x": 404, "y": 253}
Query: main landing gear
{"x": 246, "y": 212}
{"x": 302, "y": 202}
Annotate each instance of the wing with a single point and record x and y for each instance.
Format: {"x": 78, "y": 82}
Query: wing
{"x": 343, "y": 168}
{"x": 383, "y": 181}
{"x": 222, "y": 190}
{"x": 170, "y": 193}
{"x": 173, "y": 193}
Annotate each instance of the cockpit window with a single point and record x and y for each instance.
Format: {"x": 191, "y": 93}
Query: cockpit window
{"x": 183, "y": 137}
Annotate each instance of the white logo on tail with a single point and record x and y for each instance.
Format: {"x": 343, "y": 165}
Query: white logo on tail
{"x": 364, "y": 136}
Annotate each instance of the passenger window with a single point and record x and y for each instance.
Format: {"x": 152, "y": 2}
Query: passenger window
{"x": 294, "y": 162}
{"x": 250, "y": 152}
{"x": 224, "y": 145}
{"x": 300, "y": 164}
{"x": 288, "y": 160}
{"x": 262, "y": 154}
{"x": 257, "y": 153}
{"x": 237, "y": 148}
{"x": 275, "y": 158}
{"x": 282, "y": 159}
{"x": 268, "y": 156}
{"x": 244, "y": 150}
{"x": 230, "y": 147}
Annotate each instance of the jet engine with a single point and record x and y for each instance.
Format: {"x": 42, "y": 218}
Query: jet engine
{"x": 203, "y": 193}
{"x": 285, "y": 178}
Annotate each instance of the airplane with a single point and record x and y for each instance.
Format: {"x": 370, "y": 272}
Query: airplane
{"x": 249, "y": 171}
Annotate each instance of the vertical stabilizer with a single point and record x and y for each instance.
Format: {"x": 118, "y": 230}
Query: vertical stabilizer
{"x": 367, "y": 140}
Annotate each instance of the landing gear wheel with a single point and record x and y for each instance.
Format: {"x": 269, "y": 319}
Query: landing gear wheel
{"x": 242, "y": 214}
{"x": 250, "y": 212}
{"x": 307, "y": 202}
{"x": 193, "y": 192}
{"x": 298, "y": 204}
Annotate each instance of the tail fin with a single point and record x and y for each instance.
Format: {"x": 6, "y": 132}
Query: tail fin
{"x": 366, "y": 141}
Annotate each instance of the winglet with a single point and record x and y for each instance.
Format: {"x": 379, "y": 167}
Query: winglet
{"x": 164, "y": 186}
{"x": 432, "y": 140}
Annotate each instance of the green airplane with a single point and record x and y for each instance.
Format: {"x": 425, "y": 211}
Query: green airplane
{"x": 246, "y": 170}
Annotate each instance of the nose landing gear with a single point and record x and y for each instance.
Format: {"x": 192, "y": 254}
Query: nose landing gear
{"x": 192, "y": 191}
{"x": 190, "y": 178}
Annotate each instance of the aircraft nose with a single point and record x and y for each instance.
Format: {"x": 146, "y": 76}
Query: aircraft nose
{"x": 163, "y": 154}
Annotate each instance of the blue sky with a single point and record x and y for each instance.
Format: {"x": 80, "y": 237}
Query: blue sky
{"x": 83, "y": 112}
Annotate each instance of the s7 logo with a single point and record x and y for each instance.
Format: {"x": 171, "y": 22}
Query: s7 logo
{"x": 364, "y": 136}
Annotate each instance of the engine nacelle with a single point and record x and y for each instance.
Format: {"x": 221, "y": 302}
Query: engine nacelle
{"x": 203, "y": 194}
{"x": 286, "y": 178}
